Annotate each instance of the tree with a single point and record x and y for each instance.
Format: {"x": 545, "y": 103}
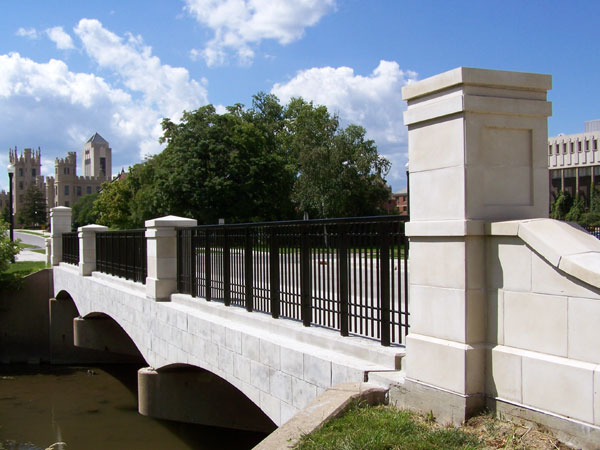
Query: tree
{"x": 339, "y": 171}
{"x": 561, "y": 206}
{"x": 576, "y": 211}
{"x": 84, "y": 212}
{"x": 111, "y": 208}
{"x": 8, "y": 249}
{"x": 33, "y": 209}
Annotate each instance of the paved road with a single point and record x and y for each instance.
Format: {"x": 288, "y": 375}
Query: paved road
{"x": 29, "y": 254}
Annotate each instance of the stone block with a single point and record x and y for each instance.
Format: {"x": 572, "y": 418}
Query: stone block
{"x": 584, "y": 329}
{"x": 345, "y": 374}
{"x": 430, "y": 262}
{"x": 445, "y": 364}
{"x": 241, "y": 368}
{"x": 435, "y": 140}
{"x": 560, "y": 386}
{"x": 211, "y": 353}
{"x": 260, "y": 375}
{"x": 437, "y": 194}
{"x": 504, "y": 374}
{"x": 269, "y": 354}
{"x": 226, "y": 360}
{"x": 217, "y": 334}
{"x": 317, "y": 371}
{"x": 251, "y": 347}
{"x": 233, "y": 340}
{"x": 271, "y": 406}
{"x": 546, "y": 279}
{"x": 287, "y": 412}
{"x": 495, "y": 317}
{"x": 302, "y": 393}
{"x": 536, "y": 322}
{"x": 509, "y": 264}
{"x": 292, "y": 362}
{"x": 281, "y": 386}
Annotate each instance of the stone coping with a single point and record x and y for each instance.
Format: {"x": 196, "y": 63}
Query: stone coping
{"x": 565, "y": 245}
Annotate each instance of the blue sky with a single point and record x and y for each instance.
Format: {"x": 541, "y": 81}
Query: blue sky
{"x": 69, "y": 69}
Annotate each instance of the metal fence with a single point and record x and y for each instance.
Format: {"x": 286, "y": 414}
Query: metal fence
{"x": 122, "y": 253}
{"x": 595, "y": 231}
{"x": 345, "y": 274}
{"x": 70, "y": 248}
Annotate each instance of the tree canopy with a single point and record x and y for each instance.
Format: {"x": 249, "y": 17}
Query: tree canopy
{"x": 33, "y": 209}
{"x": 8, "y": 248}
{"x": 265, "y": 162}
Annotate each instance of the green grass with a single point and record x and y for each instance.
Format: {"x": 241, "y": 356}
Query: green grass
{"x": 43, "y": 252}
{"x": 379, "y": 427}
{"x": 11, "y": 277}
{"x": 35, "y": 233}
{"x": 22, "y": 245}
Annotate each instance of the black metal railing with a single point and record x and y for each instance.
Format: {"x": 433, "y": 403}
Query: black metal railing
{"x": 595, "y": 231}
{"x": 345, "y": 274}
{"x": 122, "y": 253}
{"x": 70, "y": 248}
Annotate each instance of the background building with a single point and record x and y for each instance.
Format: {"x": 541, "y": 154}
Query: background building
{"x": 65, "y": 187}
{"x": 574, "y": 162}
{"x": 398, "y": 203}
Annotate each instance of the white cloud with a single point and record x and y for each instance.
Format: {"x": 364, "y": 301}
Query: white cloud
{"x": 62, "y": 40}
{"x": 373, "y": 101}
{"x": 46, "y": 104}
{"x": 30, "y": 33}
{"x": 240, "y": 24}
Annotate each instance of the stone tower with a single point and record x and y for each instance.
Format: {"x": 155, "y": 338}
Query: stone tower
{"x": 27, "y": 172}
{"x": 97, "y": 158}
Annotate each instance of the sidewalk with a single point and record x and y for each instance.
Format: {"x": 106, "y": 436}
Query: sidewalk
{"x": 29, "y": 255}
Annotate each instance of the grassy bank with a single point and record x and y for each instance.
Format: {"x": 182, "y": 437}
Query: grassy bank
{"x": 16, "y": 271}
{"x": 384, "y": 427}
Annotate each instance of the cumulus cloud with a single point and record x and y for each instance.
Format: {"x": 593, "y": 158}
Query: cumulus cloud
{"x": 30, "y": 33}
{"x": 239, "y": 25}
{"x": 47, "y": 104}
{"x": 373, "y": 101}
{"x": 62, "y": 40}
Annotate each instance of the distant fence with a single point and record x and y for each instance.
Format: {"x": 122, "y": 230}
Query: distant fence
{"x": 345, "y": 274}
{"x": 595, "y": 231}
{"x": 122, "y": 253}
{"x": 70, "y": 246}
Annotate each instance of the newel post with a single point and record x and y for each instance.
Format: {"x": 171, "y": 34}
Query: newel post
{"x": 477, "y": 151}
{"x": 60, "y": 222}
{"x": 161, "y": 241}
{"x": 87, "y": 248}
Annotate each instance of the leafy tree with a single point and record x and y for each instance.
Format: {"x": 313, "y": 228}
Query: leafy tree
{"x": 84, "y": 212}
{"x": 33, "y": 209}
{"x": 111, "y": 208}
{"x": 8, "y": 249}
{"x": 561, "y": 206}
{"x": 5, "y": 214}
{"x": 576, "y": 211}
{"x": 339, "y": 170}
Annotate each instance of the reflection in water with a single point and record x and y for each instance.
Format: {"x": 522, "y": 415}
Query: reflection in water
{"x": 93, "y": 408}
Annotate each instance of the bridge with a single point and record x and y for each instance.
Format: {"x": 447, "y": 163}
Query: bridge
{"x": 279, "y": 365}
{"x": 504, "y": 302}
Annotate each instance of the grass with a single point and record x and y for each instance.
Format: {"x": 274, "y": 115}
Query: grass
{"x": 11, "y": 277}
{"x": 379, "y": 427}
{"x": 22, "y": 245}
{"x": 385, "y": 427}
{"x": 35, "y": 233}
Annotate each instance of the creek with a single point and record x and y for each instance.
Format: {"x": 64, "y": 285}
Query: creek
{"x": 93, "y": 408}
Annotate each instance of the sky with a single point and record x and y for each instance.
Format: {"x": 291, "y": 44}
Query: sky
{"x": 70, "y": 69}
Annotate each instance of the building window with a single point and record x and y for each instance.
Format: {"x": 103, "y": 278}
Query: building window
{"x": 569, "y": 173}
{"x": 587, "y": 145}
{"x": 33, "y": 172}
{"x": 571, "y": 147}
{"x": 67, "y": 203}
{"x": 78, "y": 191}
{"x": 585, "y": 171}
{"x": 20, "y": 171}
{"x": 88, "y": 190}
{"x": 66, "y": 189}
{"x": 595, "y": 144}
{"x": 555, "y": 174}
{"x": 565, "y": 148}
{"x": 88, "y": 162}
{"x": 20, "y": 185}
{"x": 550, "y": 149}
{"x": 578, "y": 146}
{"x": 103, "y": 166}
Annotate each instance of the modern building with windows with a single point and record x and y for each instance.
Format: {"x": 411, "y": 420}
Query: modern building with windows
{"x": 574, "y": 162}
{"x": 65, "y": 187}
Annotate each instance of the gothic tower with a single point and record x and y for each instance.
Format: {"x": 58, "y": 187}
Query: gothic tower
{"x": 97, "y": 158}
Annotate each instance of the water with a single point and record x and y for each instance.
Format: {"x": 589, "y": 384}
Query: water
{"x": 93, "y": 408}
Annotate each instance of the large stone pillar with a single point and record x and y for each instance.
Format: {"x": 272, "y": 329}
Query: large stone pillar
{"x": 87, "y": 248}
{"x": 60, "y": 222}
{"x": 477, "y": 152}
{"x": 161, "y": 236}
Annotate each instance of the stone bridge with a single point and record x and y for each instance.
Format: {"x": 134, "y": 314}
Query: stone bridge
{"x": 279, "y": 365}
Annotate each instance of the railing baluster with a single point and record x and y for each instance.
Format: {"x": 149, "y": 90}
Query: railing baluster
{"x": 384, "y": 274}
{"x": 207, "y": 266}
{"x": 226, "y": 269}
{"x": 305, "y": 294}
{"x": 342, "y": 263}
{"x": 248, "y": 270}
{"x": 274, "y": 273}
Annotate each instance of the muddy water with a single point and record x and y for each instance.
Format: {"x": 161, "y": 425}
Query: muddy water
{"x": 91, "y": 408}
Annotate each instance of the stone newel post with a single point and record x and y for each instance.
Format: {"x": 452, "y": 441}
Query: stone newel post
{"x": 162, "y": 255}
{"x": 60, "y": 222}
{"x": 87, "y": 248}
{"x": 477, "y": 152}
